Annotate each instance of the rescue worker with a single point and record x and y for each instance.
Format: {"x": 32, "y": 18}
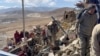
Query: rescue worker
{"x": 17, "y": 37}
{"x": 53, "y": 27}
{"x": 46, "y": 35}
{"x": 84, "y": 26}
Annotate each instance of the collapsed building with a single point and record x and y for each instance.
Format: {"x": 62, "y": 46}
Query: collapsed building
{"x": 46, "y": 50}
{"x": 71, "y": 49}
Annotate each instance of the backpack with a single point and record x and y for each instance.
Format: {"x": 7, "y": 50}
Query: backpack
{"x": 94, "y": 1}
{"x": 98, "y": 7}
{"x": 81, "y": 13}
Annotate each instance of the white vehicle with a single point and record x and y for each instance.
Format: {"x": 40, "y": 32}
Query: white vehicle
{"x": 3, "y": 53}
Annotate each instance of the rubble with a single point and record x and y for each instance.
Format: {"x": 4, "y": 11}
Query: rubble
{"x": 69, "y": 48}
{"x": 69, "y": 16}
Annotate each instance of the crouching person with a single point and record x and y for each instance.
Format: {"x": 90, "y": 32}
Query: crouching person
{"x": 95, "y": 41}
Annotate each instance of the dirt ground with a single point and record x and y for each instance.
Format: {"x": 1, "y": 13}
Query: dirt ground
{"x": 9, "y": 29}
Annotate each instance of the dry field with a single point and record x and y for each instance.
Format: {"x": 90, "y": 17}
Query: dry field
{"x": 9, "y": 29}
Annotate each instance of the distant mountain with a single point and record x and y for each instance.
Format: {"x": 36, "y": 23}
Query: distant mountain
{"x": 14, "y": 14}
{"x": 57, "y": 12}
{"x": 27, "y": 10}
{"x": 9, "y": 10}
{"x": 40, "y": 9}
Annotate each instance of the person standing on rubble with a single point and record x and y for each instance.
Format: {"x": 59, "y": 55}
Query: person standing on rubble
{"x": 85, "y": 26}
{"x": 31, "y": 35}
{"x": 53, "y": 27}
{"x": 17, "y": 37}
{"x": 38, "y": 31}
{"x": 47, "y": 37}
{"x": 95, "y": 39}
{"x": 44, "y": 35}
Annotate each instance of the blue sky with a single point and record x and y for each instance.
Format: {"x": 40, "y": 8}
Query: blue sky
{"x": 38, "y": 3}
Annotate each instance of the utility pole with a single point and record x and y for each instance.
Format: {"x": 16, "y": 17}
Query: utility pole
{"x": 23, "y": 16}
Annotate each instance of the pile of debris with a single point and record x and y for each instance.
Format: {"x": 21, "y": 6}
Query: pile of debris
{"x": 69, "y": 16}
{"x": 60, "y": 47}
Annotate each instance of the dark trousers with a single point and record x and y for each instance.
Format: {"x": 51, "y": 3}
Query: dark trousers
{"x": 84, "y": 44}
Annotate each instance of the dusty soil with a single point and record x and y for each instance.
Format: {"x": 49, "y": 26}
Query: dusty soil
{"x": 9, "y": 29}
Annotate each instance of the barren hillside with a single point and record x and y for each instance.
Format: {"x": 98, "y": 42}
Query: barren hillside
{"x": 12, "y": 20}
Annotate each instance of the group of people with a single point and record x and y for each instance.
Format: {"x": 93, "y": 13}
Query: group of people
{"x": 88, "y": 30}
{"x": 18, "y": 36}
{"x": 39, "y": 35}
{"x": 45, "y": 34}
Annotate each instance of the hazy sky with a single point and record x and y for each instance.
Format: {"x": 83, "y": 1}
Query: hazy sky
{"x": 38, "y": 3}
